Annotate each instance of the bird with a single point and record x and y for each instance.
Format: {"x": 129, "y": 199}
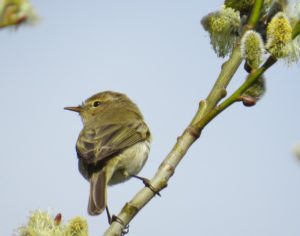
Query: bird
{"x": 113, "y": 145}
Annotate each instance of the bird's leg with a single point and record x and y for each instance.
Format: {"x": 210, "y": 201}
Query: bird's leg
{"x": 147, "y": 184}
{"x": 108, "y": 215}
{"x": 145, "y": 181}
{"x": 117, "y": 219}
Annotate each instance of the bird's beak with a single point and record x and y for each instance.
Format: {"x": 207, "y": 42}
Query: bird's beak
{"x": 76, "y": 109}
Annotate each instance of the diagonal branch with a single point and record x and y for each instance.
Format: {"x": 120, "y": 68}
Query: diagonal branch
{"x": 189, "y": 136}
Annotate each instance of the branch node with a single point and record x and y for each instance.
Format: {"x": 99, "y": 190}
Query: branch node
{"x": 130, "y": 208}
{"x": 223, "y": 93}
{"x": 202, "y": 103}
{"x": 253, "y": 71}
{"x": 247, "y": 100}
{"x": 168, "y": 168}
{"x": 193, "y": 131}
{"x": 223, "y": 65}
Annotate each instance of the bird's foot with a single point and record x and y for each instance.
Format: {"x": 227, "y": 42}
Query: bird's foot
{"x": 121, "y": 222}
{"x": 147, "y": 183}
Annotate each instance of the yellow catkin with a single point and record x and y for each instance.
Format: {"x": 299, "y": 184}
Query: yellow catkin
{"x": 223, "y": 27}
{"x": 279, "y": 35}
{"x": 76, "y": 227}
{"x": 252, "y": 48}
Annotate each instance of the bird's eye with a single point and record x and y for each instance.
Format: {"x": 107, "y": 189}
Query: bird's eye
{"x": 96, "y": 104}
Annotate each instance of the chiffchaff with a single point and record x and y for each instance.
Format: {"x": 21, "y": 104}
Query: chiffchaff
{"x": 113, "y": 144}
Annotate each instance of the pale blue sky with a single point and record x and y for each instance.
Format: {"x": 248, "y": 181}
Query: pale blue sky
{"x": 239, "y": 178}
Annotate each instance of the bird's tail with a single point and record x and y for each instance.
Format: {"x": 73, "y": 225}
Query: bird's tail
{"x": 97, "y": 200}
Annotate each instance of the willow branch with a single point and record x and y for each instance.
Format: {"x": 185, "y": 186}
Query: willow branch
{"x": 189, "y": 136}
{"x": 229, "y": 68}
{"x": 250, "y": 80}
{"x": 296, "y": 30}
{"x": 255, "y": 13}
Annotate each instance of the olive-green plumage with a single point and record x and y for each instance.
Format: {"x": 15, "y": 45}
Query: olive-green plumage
{"x": 113, "y": 144}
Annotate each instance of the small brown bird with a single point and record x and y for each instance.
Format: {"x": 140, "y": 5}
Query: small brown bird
{"x": 113, "y": 144}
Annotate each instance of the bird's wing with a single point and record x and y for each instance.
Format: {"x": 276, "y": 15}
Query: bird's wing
{"x": 94, "y": 145}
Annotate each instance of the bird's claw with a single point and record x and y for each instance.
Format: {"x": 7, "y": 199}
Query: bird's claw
{"x": 147, "y": 183}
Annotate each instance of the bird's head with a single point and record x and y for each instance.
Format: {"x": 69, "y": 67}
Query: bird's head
{"x": 98, "y": 103}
